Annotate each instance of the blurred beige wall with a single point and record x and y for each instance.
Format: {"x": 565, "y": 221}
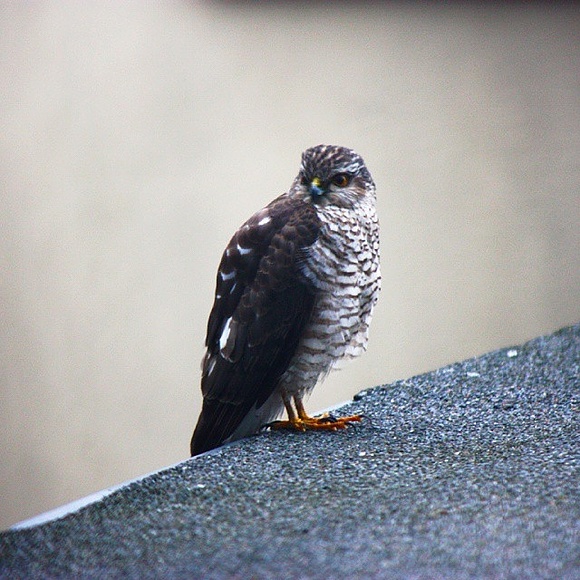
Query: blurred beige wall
{"x": 135, "y": 137}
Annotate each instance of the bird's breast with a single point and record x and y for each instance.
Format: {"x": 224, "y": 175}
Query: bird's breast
{"x": 343, "y": 266}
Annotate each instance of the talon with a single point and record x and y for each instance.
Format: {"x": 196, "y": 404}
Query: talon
{"x": 299, "y": 420}
{"x": 326, "y": 418}
{"x": 330, "y": 418}
{"x": 324, "y": 423}
{"x": 292, "y": 424}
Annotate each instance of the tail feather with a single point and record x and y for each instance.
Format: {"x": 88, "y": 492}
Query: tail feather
{"x": 217, "y": 422}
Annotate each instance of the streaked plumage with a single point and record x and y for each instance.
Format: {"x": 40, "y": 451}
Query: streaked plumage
{"x": 295, "y": 291}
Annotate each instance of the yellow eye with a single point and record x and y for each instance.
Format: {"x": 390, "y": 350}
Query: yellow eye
{"x": 341, "y": 179}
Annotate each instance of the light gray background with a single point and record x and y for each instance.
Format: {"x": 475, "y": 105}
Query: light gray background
{"x": 135, "y": 138}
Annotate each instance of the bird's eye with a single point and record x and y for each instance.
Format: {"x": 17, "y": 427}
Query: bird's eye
{"x": 303, "y": 180}
{"x": 341, "y": 179}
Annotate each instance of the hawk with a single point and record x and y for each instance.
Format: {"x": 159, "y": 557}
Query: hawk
{"x": 295, "y": 293}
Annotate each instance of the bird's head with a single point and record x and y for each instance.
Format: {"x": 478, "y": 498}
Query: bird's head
{"x": 333, "y": 175}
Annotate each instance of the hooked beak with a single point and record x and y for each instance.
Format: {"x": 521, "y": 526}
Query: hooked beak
{"x": 315, "y": 187}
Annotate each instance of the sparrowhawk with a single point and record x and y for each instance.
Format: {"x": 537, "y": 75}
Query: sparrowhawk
{"x": 295, "y": 293}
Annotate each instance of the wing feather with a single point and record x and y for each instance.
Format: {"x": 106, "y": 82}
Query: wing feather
{"x": 262, "y": 305}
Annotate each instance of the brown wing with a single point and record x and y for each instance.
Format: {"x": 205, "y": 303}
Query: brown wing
{"x": 261, "y": 306}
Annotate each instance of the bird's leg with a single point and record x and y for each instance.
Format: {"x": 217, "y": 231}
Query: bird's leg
{"x": 293, "y": 422}
{"x": 325, "y": 421}
{"x": 304, "y": 422}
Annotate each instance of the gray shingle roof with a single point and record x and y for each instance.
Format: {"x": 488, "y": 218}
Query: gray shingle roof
{"x": 471, "y": 470}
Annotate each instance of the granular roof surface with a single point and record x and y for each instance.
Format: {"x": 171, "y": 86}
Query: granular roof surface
{"x": 468, "y": 471}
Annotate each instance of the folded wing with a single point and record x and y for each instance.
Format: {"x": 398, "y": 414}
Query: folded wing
{"x": 261, "y": 307}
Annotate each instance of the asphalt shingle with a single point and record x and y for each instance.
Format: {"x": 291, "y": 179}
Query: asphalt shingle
{"x": 469, "y": 471}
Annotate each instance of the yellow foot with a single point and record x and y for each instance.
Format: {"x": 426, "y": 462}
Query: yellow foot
{"x": 326, "y": 423}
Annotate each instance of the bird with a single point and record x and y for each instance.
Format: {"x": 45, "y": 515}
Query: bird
{"x": 295, "y": 292}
